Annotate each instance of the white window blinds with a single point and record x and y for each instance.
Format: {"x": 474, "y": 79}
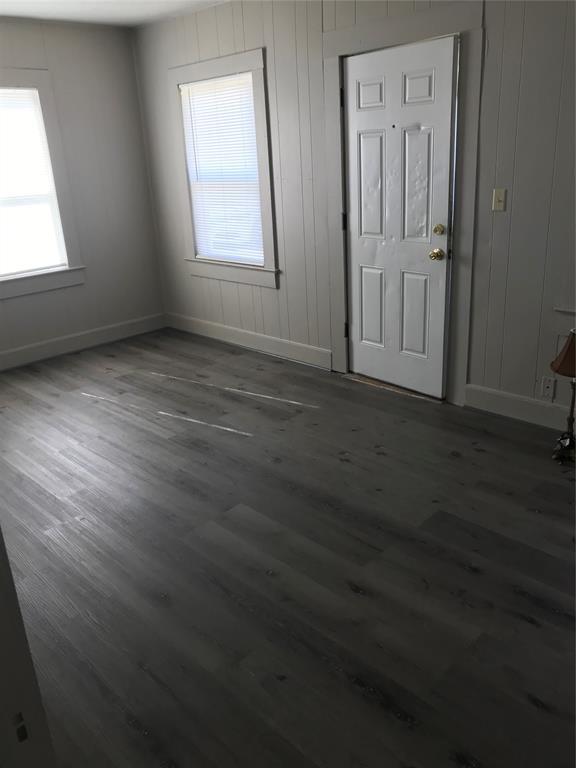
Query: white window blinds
{"x": 31, "y": 236}
{"x": 222, "y": 161}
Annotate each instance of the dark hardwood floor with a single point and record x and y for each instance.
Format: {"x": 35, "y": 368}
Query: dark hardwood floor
{"x": 375, "y": 582}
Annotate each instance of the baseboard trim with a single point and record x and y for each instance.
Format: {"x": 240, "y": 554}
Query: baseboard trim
{"x": 527, "y": 409}
{"x": 516, "y": 406}
{"x": 291, "y": 350}
{"x": 74, "y": 342}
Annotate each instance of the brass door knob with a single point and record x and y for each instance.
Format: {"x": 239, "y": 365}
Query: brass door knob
{"x": 439, "y": 229}
{"x": 437, "y": 254}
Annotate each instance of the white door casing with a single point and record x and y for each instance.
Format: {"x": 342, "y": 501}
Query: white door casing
{"x": 399, "y": 105}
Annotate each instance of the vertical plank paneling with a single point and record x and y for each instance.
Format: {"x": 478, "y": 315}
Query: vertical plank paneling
{"x": 253, "y": 16}
{"x": 524, "y": 256}
{"x": 485, "y": 180}
{"x": 519, "y": 266}
{"x": 275, "y": 303}
{"x": 199, "y": 295}
{"x": 290, "y": 167}
{"x": 253, "y": 36}
{"x": 535, "y": 148}
{"x": 400, "y": 7}
{"x": 231, "y": 29}
{"x": 345, "y": 14}
{"x": 196, "y": 296}
{"x": 292, "y": 36}
{"x": 507, "y": 122}
{"x": 189, "y": 27}
{"x": 214, "y": 35}
{"x": 225, "y": 26}
{"x": 315, "y": 68}
{"x": 238, "y": 22}
{"x": 232, "y": 298}
{"x": 230, "y": 304}
{"x": 559, "y": 290}
{"x": 246, "y": 303}
{"x": 207, "y": 33}
{"x": 213, "y": 294}
{"x": 513, "y": 287}
{"x": 328, "y": 15}
{"x": 259, "y": 308}
{"x": 307, "y": 171}
{"x": 366, "y": 10}
{"x": 281, "y": 323}
{"x": 443, "y": 3}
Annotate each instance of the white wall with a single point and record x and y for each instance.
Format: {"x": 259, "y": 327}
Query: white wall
{"x": 523, "y": 283}
{"x": 523, "y": 265}
{"x": 524, "y": 258}
{"x": 292, "y": 34}
{"x": 94, "y": 84}
{"x": 523, "y": 269}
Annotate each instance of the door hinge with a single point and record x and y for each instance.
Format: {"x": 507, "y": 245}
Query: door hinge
{"x": 346, "y": 330}
{"x": 344, "y": 221}
{"x": 342, "y": 98}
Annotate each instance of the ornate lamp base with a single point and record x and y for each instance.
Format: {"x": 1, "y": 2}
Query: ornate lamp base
{"x": 564, "y": 450}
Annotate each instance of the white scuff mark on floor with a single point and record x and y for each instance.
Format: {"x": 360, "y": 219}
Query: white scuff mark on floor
{"x": 206, "y": 424}
{"x": 170, "y": 415}
{"x": 235, "y": 390}
{"x": 360, "y": 379}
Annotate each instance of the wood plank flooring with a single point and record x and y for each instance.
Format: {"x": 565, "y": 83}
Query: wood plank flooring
{"x": 367, "y": 581}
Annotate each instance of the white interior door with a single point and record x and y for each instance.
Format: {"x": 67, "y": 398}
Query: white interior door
{"x": 399, "y": 119}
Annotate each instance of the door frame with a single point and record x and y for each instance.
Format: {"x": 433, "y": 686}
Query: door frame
{"x": 449, "y": 218}
{"x": 464, "y": 19}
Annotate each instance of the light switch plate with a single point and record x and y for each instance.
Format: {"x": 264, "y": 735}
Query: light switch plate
{"x": 498, "y": 199}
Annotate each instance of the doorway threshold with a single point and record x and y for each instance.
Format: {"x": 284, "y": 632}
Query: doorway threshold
{"x": 360, "y": 379}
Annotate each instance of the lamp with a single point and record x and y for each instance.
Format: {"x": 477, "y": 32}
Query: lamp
{"x": 565, "y": 365}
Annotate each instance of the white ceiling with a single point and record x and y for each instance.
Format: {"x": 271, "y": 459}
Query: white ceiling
{"x": 101, "y": 11}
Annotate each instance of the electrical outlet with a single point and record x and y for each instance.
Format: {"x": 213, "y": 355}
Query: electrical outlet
{"x": 548, "y": 387}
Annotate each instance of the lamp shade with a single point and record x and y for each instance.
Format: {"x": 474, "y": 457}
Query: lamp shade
{"x": 565, "y": 362}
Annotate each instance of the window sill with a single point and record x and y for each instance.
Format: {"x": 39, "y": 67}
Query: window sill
{"x": 234, "y": 273}
{"x": 13, "y": 286}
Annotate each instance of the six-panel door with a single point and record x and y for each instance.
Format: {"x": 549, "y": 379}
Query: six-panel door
{"x": 398, "y": 125}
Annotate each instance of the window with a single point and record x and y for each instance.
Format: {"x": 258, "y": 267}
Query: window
{"x": 31, "y": 238}
{"x": 222, "y": 111}
{"x": 223, "y": 168}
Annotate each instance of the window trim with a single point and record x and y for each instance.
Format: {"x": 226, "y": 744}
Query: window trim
{"x": 48, "y": 279}
{"x": 40, "y": 281}
{"x": 249, "y": 61}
